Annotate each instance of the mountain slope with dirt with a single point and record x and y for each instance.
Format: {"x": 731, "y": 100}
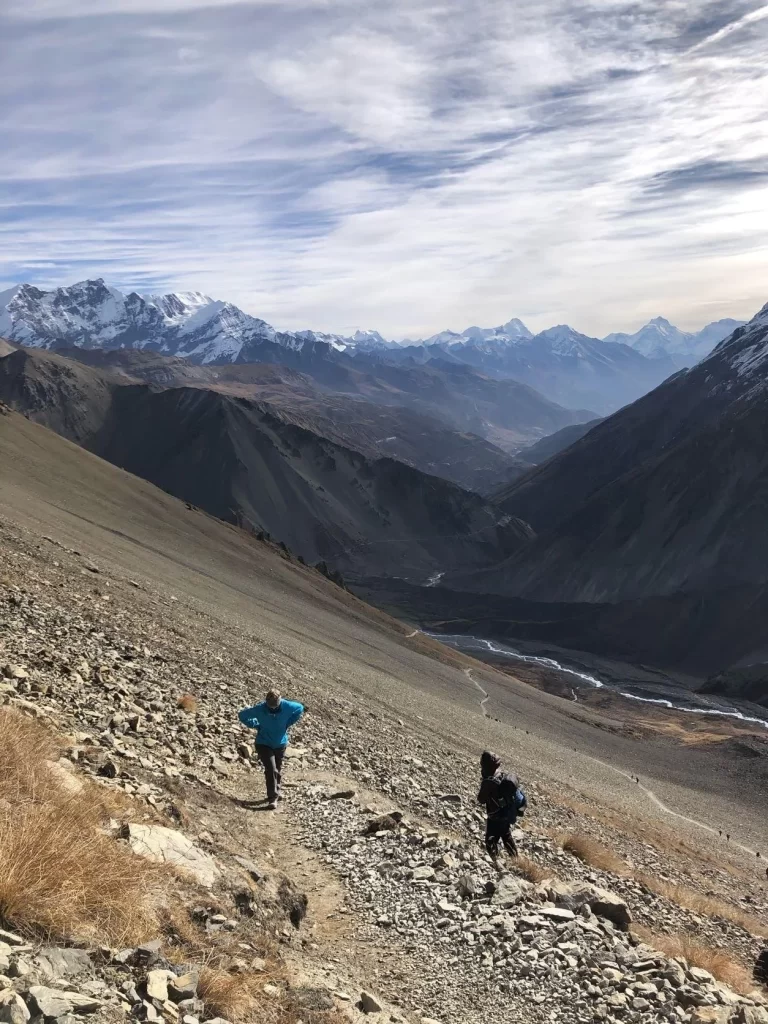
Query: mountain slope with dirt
{"x": 137, "y": 627}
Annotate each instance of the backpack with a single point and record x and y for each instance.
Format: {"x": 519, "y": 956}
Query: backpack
{"x": 509, "y": 795}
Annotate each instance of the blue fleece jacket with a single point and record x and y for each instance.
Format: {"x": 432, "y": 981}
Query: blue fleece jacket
{"x": 272, "y": 725}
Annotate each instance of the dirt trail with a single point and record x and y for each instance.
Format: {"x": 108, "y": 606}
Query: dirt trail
{"x": 668, "y": 810}
{"x": 486, "y": 696}
{"x": 329, "y": 948}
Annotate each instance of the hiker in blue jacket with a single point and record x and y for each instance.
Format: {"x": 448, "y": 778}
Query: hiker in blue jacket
{"x": 272, "y": 719}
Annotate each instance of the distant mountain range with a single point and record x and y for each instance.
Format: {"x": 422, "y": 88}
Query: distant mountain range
{"x": 566, "y": 366}
{"x": 658, "y": 513}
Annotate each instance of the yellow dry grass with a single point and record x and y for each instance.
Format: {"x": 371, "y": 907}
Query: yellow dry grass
{"x": 706, "y": 906}
{"x": 589, "y": 851}
{"x": 188, "y": 702}
{"x": 62, "y": 875}
{"x": 231, "y": 996}
{"x": 698, "y": 954}
{"x": 531, "y": 870}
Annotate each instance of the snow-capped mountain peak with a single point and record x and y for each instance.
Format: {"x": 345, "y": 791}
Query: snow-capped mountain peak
{"x": 661, "y": 339}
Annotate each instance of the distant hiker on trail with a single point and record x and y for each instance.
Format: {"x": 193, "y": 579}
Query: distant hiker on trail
{"x": 272, "y": 719}
{"x": 504, "y": 800}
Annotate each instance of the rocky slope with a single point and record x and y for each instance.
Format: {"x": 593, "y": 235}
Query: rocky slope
{"x": 406, "y": 918}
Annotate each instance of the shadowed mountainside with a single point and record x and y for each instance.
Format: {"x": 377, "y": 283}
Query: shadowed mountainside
{"x": 244, "y": 462}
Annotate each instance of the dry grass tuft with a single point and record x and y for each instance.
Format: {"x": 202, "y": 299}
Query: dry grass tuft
{"x": 62, "y": 875}
{"x": 25, "y": 746}
{"x": 531, "y": 870}
{"x": 709, "y": 958}
{"x": 593, "y": 853}
{"x": 231, "y": 996}
{"x": 706, "y": 906}
{"x": 188, "y": 702}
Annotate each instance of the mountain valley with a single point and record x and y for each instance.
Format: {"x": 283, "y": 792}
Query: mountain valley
{"x": 636, "y": 535}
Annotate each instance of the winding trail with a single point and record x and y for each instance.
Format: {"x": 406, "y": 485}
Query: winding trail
{"x": 668, "y": 810}
{"x": 413, "y": 634}
{"x": 486, "y": 696}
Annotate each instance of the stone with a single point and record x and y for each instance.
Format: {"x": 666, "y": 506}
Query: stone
{"x": 157, "y": 984}
{"x": 82, "y": 1003}
{"x": 58, "y": 962}
{"x": 49, "y": 1002}
{"x": 510, "y": 890}
{"x": 610, "y": 906}
{"x": 557, "y": 913}
{"x": 13, "y": 1009}
{"x": 369, "y": 1003}
{"x": 710, "y": 1015}
{"x": 342, "y": 794}
{"x": 423, "y": 873}
{"x": 167, "y": 846}
{"x": 751, "y": 1015}
{"x": 183, "y": 987}
{"x": 11, "y": 939}
{"x": 66, "y": 777}
{"x": 15, "y": 672}
{"x": 250, "y": 866}
{"x": 700, "y": 976}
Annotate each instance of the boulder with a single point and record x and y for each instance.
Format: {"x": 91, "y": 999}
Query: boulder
{"x": 49, "y": 1002}
{"x": 369, "y": 1003}
{"x": 157, "y": 985}
{"x": 13, "y": 1009}
{"x": 167, "y": 846}
{"x": 183, "y": 987}
{"x": 575, "y": 895}
{"x": 510, "y": 890}
{"x": 58, "y": 962}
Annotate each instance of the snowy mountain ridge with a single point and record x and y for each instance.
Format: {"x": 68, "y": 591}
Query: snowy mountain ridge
{"x": 91, "y": 314}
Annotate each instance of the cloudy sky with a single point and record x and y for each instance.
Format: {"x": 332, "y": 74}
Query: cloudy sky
{"x": 409, "y": 166}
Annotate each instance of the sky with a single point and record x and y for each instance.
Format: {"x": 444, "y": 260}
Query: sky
{"x": 408, "y": 167}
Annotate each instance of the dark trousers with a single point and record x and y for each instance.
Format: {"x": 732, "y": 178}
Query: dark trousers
{"x": 272, "y": 760}
{"x": 498, "y": 829}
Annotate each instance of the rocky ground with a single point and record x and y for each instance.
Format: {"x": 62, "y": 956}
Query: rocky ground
{"x": 406, "y": 915}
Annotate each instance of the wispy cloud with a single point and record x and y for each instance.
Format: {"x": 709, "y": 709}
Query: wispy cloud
{"x": 407, "y": 166}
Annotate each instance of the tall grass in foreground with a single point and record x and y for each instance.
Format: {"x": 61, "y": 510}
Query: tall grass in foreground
{"x": 62, "y": 875}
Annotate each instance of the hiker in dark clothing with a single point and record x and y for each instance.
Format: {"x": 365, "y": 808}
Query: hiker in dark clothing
{"x": 272, "y": 719}
{"x": 504, "y": 800}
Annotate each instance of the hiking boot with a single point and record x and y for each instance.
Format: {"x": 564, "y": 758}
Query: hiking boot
{"x": 272, "y": 805}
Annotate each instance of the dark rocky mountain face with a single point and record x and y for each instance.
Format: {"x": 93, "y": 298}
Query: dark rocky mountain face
{"x": 507, "y": 414}
{"x": 666, "y": 497}
{"x": 747, "y": 683}
{"x": 249, "y": 462}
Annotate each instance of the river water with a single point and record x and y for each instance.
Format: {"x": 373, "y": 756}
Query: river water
{"x": 691, "y": 703}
